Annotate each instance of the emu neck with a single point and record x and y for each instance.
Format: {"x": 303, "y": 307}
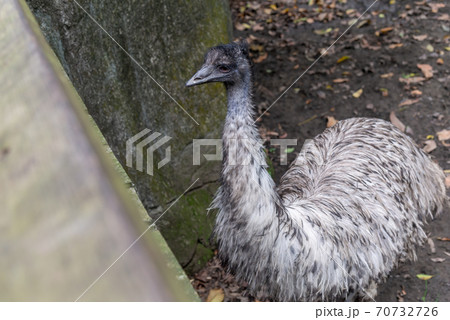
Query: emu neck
{"x": 247, "y": 186}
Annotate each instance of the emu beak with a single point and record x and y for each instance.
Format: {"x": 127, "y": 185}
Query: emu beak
{"x": 204, "y": 75}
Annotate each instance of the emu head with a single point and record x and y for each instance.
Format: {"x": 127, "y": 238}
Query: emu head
{"x": 227, "y": 63}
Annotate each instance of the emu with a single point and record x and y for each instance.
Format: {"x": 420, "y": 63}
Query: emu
{"x": 346, "y": 211}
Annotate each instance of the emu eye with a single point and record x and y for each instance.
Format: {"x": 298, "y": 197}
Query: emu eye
{"x": 223, "y": 69}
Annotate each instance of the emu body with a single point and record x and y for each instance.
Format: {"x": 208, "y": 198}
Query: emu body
{"x": 352, "y": 204}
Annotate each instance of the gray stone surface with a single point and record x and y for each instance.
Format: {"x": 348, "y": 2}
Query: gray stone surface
{"x": 168, "y": 39}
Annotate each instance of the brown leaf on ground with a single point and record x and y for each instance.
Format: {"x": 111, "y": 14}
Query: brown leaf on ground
{"x": 400, "y": 294}
{"x": 216, "y": 295}
{"x": 241, "y": 26}
{"x": 396, "y": 122}
{"x": 447, "y": 182}
{"x": 436, "y": 6}
{"x": 384, "y": 31}
{"x": 258, "y": 27}
{"x": 387, "y": 75}
{"x": 440, "y": 61}
{"x": 443, "y": 239}
{"x": 443, "y": 135}
{"x": 395, "y": 45}
{"x": 412, "y": 80}
{"x": 438, "y": 260}
{"x": 365, "y": 44}
{"x": 416, "y": 93}
{"x": 420, "y": 37}
{"x": 426, "y": 69}
{"x": 430, "y": 145}
{"x": 408, "y": 102}
{"x": 331, "y": 121}
{"x": 261, "y": 58}
{"x": 340, "y": 80}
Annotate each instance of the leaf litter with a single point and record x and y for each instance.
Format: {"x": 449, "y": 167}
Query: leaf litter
{"x": 390, "y": 40}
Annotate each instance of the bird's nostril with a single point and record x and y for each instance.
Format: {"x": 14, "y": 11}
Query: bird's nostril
{"x": 197, "y": 78}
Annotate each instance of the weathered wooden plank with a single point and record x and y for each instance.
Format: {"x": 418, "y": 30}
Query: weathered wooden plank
{"x": 65, "y": 214}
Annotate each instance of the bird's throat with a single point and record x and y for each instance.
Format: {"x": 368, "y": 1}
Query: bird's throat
{"x": 248, "y": 187}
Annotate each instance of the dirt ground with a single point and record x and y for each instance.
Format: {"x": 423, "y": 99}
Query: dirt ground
{"x": 394, "y": 58}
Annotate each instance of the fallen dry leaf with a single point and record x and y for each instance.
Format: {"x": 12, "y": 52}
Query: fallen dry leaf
{"x": 258, "y": 27}
{"x": 412, "y": 80}
{"x": 430, "y": 145}
{"x": 420, "y": 37}
{"x": 387, "y": 75}
{"x": 331, "y": 121}
{"x": 426, "y": 69}
{"x": 384, "y": 31}
{"x": 323, "y": 31}
{"x": 438, "y": 260}
{"x": 416, "y": 93}
{"x": 435, "y": 6}
{"x": 261, "y": 58}
{"x": 443, "y": 239}
{"x": 443, "y": 135}
{"x": 408, "y": 102}
{"x": 242, "y": 26}
{"x": 358, "y": 93}
{"x": 396, "y": 122}
{"x": 447, "y": 182}
{"x": 395, "y": 45}
{"x": 215, "y": 295}
{"x": 366, "y": 45}
{"x": 440, "y": 61}
{"x": 340, "y": 80}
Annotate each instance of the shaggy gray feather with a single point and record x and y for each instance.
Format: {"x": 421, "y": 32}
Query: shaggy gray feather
{"x": 352, "y": 204}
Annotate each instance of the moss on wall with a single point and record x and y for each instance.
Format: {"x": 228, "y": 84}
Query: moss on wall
{"x": 168, "y": 40}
